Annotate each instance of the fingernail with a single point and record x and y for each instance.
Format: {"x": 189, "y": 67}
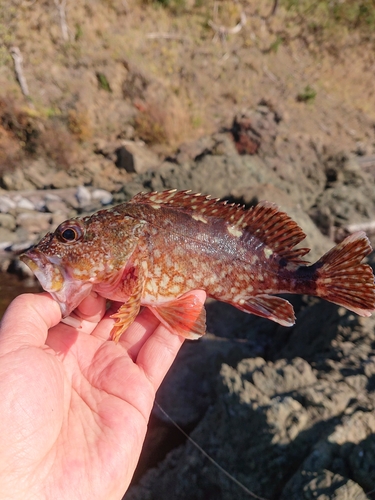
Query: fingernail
{"x": 75, "y": 323}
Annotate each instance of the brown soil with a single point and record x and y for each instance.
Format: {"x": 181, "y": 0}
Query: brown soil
{"x": 160, "y": 74}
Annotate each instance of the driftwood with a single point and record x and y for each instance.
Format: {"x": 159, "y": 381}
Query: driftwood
{"x": 61, "y": 7}
{"x": 221, "y": 31}
{"x": 18, "y": 59}
{"x": 166, "y": 36}
{"x": 368, "y": 226}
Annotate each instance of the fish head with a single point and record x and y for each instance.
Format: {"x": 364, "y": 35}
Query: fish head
{"x": 80, "y": 254}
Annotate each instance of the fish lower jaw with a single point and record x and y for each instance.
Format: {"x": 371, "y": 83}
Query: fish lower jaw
{"x": 71, "y": 296}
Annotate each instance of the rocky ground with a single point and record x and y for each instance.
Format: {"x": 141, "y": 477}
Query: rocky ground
{"x": 288, "y": 412}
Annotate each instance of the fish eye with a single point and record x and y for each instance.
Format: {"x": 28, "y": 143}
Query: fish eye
{"x": 69, "y": 232}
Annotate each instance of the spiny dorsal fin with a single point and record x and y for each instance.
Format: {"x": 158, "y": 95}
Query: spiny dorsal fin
{"x": 264, "y": 221}
{"x": 277, "y": 230}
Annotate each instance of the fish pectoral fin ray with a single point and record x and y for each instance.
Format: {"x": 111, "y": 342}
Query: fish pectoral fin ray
{"x": 124, "y": 318}
{"x": 127, "y": 312}
{"x": 270, "y": 307}
{"x": 185, "y": 316}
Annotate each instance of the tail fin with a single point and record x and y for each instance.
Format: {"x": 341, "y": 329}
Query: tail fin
{"x": 342, "y": 279}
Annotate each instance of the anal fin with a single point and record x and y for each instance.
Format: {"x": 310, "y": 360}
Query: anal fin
{"x": 185, "y": 316}
{"x": 270, "y": 307}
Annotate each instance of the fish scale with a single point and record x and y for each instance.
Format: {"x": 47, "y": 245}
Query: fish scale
{"x": 157, "y": 248}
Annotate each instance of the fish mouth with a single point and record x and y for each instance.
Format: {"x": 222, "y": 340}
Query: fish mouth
{"x": 56, "y": 280}
{"x": 48, "y": 274}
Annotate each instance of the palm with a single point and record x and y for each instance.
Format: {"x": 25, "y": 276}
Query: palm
{"x": 82, "y": 404}
{"x": 102, "y": 406}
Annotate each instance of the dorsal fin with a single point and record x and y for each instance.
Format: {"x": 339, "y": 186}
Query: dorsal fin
{"x": 277, "y": 230}
{"x": 193, "y": 202}
{"x": 264, "y": 221}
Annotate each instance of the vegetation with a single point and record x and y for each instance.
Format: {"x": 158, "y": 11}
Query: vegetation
{"x": 307, "y": 95}
{"x": 352, "y": 14}
{"x": 160, "y": 70}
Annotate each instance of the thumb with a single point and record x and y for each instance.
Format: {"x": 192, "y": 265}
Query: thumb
{"x": 27, "y": 320}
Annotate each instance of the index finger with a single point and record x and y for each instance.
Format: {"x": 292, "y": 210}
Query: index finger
{"x": 159, "y": 351}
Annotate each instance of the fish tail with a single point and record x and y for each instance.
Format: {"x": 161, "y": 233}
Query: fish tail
{"x": 342, "y": 278}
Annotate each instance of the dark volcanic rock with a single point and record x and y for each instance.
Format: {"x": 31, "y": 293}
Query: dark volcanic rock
{"x": 286, "y": 411}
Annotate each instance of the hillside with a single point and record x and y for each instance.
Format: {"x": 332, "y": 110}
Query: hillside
{"x": 247, "y": 101}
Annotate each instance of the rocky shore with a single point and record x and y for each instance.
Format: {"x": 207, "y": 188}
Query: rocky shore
{"x": 152, "y": 95}
{"x": 288, "y": 412}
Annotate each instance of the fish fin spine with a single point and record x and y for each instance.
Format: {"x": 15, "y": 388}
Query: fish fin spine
{"x": 343, "y": 279}
{"x": 277, "y": 230}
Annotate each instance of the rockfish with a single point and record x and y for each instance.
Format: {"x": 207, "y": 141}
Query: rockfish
{"x": 155, "y": 249}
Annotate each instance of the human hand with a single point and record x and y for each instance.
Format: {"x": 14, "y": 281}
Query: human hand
{"x": 74, "y": 406}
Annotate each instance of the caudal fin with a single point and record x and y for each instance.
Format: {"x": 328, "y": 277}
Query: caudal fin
{"x": 343, "y": 279}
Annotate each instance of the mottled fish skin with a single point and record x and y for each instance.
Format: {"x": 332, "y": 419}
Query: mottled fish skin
{"x": 158, "y": 247}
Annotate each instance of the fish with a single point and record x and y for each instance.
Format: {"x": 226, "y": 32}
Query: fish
{"x": 156, "y": 249}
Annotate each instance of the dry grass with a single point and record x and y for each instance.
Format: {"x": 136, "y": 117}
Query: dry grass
{"x": 79, "y": 124}
{"x": 58, "y": 145}
{"x": 166, "y": 121}
{"x": 25, "y": 134}
{"x": 204, "y": 80}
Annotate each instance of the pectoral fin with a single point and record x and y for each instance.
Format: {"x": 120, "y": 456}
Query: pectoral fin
{"x": 128, "y": 311}
{"x": 270, "y": 307}
{"x": 185, "y": 316}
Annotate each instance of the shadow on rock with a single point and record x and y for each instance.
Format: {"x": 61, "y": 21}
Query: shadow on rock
{"x": 260, "y": 433}
{"x": 285, "y": 411}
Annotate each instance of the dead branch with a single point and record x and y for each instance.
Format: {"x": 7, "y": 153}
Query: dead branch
{"x": 222, "y": 31}
{"x": 274, "y": 8}
{"x": 369, "y": 227}
{"x": 28, "y": 3}
{"x": 166, "y": 36}
{"x": 61, "y": 7}
{"x": 18, "y": 59}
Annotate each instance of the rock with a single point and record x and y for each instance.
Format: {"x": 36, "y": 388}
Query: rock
{"x": 34, "y": 222}
{"x": 24, "y": 203}
{"x": 57, "y": 218}
{"x": 21, "y": 247}
{"x": 282, "y": 377}
{"x": 62, "y": 179}
{"x": 70, "y": 198}
{"x": 105, "y": 197}
{"x": 215, "y": 144}
{"x": 362, "y": 460}
{"x": 135, "y": 157}
{"x": 83, "y": 196}
{"x": 7, "y": 236}
{"x": 190, "y": 385}
{"x": 39, "y": 173}
{"x": 15, "y": 180}
{"x": 325, "y": 471}
{"x": 56, "y": 206}
{"x": 255, "y": 128}
{"x": 6, "y": 204}
{"x": 234, "y": 171}
{"x": 257, "y": 436}
{"x": 330, "y": 486}
{"x": 7, "y": 221}
{"x": 125, "y": 160}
